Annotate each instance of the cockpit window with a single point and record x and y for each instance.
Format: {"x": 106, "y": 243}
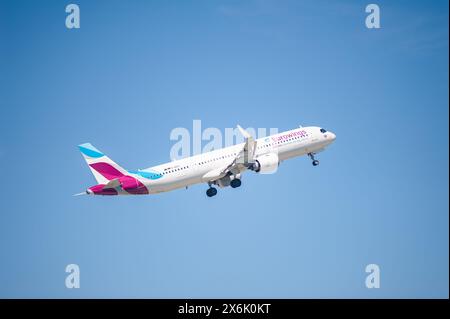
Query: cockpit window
{"x": 322, "y": 130}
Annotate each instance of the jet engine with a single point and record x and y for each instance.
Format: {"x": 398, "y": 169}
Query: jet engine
{"x": 266, "y": 164}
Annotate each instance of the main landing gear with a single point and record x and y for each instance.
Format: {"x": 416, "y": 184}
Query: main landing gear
{"x": 314, "y": 161}
{"x": 235, "y": 183}
{"x": 212, "y": 191}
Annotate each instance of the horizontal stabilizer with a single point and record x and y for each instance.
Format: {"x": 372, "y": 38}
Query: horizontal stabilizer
{"x": 79, "y": 194}
{"x": 112, "y": 183}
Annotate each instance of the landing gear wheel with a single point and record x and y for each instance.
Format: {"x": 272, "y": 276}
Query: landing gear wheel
{"x": 235, "y": 183}
{"x": 211, "y": 192}
{"x": 314, "y": 161}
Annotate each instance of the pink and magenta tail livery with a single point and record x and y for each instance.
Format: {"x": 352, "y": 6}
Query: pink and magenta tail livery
{"x": 112, "y": 179}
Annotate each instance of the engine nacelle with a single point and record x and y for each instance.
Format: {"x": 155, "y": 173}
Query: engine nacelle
{"x": 267, "y": 163}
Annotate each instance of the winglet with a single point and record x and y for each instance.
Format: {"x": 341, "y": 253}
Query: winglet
{"x": 243, "y": 132}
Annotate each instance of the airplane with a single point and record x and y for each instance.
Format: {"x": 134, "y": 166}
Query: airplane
{"x": 221, "y": 167}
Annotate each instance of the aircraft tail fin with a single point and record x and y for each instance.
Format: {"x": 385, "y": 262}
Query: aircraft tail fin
{"x": 102, "y": 167}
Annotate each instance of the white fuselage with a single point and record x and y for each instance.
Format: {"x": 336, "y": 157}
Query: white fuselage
{"x": 192, "y": 170}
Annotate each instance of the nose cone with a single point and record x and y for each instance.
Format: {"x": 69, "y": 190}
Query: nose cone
{"x": 332, "y": 136}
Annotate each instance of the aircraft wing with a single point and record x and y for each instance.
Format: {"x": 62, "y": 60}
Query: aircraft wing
{"x": 243, "y": 160}
{"x": 246, "y": 156}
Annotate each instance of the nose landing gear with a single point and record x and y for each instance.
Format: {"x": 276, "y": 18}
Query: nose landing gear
{"x": 314, "y": 161}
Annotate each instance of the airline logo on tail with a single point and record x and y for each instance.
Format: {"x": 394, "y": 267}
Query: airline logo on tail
{"x": 111, "y": 178}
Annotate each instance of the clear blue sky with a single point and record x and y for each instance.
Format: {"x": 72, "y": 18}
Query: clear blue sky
{"x": 137, "y": 69}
